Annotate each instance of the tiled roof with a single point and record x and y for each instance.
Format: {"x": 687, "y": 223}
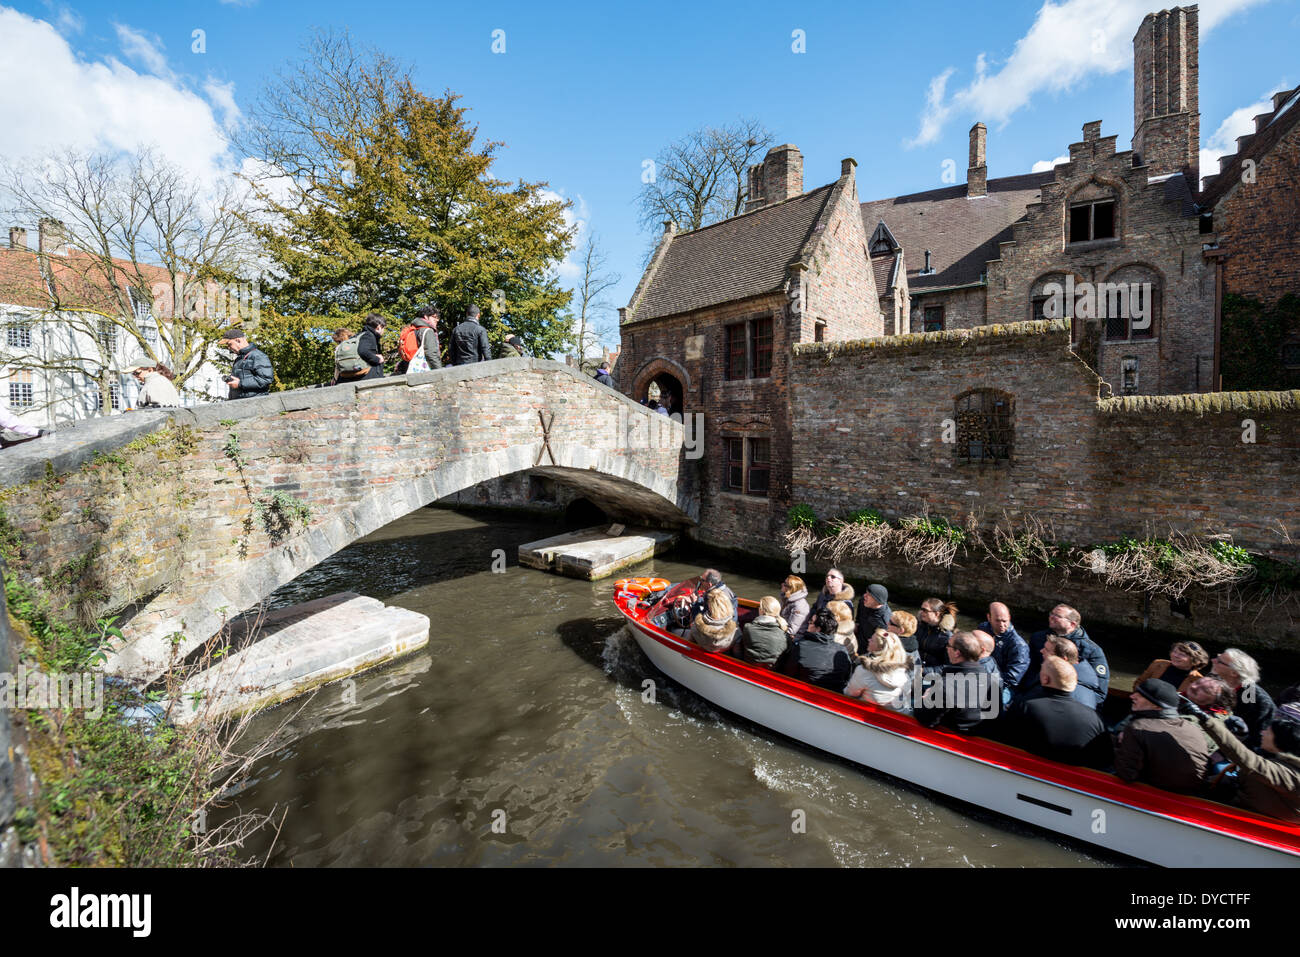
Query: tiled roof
{"x": 79, "y": 280}
{"x": 1272, "y": 127}
{"x": 744, "y": 256}
{"x": 883, "y": 267}
{"x": 961, "y": 233}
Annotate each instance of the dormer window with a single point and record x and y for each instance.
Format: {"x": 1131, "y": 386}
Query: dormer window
{"x": 1092, "y": 220}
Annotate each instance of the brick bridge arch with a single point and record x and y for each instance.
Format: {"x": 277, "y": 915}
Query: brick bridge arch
{"x": 159, "y": 508}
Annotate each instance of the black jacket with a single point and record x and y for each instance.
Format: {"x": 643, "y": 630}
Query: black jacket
{"x": 469, "y": 343}
{"x": 959, "y": 713}
{"x": 869, "y": 619}
{"x": 368, "y": 349}
{"x": 1011, "y": 652}
{"x": 820, "y": 660}
{"x": 1255, "y": 706}
{"x": 1057, "y": 726}
{"x": 253, "y": 370}
{"x": 1095, "y": 678}
{"x": 932, "y": 643}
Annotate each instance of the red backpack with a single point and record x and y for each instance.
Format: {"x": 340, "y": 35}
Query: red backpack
{"x": 408, "y": 340}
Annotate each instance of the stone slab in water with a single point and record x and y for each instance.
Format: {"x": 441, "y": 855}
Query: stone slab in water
{"x": 303, "y": 647}
{"x": 594, "y": 553}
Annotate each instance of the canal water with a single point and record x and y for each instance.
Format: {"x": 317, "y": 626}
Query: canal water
{"x": 521, "y": 736}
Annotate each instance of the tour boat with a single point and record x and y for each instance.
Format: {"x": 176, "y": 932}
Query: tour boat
{"x": 1094, "y": 807}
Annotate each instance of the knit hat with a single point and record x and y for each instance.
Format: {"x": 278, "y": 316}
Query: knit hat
{"x": 1158, "y": 692}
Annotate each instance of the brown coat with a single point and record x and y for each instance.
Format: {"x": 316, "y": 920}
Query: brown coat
{"x": 1157, "y": 668}
{"x": 1164, "y": 750}
{"x": 1269, "y": 784}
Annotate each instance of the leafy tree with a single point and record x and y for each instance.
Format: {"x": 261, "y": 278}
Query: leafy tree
{"x": 398, "y": 208}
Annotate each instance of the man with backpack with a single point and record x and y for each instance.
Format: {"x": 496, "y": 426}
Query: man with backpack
{"x": 348, "y": 364}
{"x": 469, "y": 341}
{"x": 420, "y": 337}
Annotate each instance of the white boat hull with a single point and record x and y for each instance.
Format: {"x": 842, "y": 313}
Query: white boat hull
{"x": 1072, "y": 813}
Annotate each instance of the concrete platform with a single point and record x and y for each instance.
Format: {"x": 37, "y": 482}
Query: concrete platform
{"x": 300, "y": 648}
{"x": 595, "y": 553}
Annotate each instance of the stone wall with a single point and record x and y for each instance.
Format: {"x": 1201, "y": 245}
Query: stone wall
{"x": 1095, "y": 470}
{"x": 120, "y": 509}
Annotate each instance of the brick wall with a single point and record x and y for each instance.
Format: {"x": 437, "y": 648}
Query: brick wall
{"x": 840, "y": 286}
{"x": 1259, "y": 226}
{"x": 962, "y": 308}
{"x": 1095, "y": 471}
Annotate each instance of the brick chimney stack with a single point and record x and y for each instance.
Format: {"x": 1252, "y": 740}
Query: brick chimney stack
{"x": 17, "y": 237}
{"x": 977, "y": 172}
{"x": 51, "y": 237}
{"x": 1166, "y": 101}
{"x": 779, "y": 177}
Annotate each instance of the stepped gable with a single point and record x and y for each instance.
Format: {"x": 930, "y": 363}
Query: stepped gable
{"x": 1269, "y": 130}
{"x": 961, "y": 232}
{"x": 741, "y": 257}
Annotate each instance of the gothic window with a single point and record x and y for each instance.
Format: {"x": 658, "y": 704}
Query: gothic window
{"x": 1129, "y": 304}
{"x": 1291, "y": 355}
{"x": 985, "y": 427}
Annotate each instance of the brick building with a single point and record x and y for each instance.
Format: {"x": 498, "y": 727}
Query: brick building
{"x": 1118, "y": 242}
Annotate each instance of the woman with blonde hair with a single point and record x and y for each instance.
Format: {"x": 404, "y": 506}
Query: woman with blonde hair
{"x": 766, "y": 638}
{"x": 884, "y": 674}
{"x": 794, "y": 604}
{"x": 844, "y": 625}
{"x": 714, "y": 629}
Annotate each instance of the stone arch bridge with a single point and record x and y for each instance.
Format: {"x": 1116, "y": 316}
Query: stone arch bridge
{"x": 187, "y": 516}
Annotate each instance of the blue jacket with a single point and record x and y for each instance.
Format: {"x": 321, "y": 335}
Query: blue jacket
{"x": 1011, "y": 653}
{"x": 1094, "y": 672}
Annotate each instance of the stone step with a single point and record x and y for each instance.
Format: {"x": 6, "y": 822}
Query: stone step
{"x": 598, "y": 552}
{"x": 302, "y": 647}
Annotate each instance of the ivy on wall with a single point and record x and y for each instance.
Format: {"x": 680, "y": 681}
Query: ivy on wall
{"x": 1251, "y": 339}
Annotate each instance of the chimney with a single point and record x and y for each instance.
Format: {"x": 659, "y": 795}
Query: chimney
{"x": 977, "y": 173}
{"x": 50, "y": 233}
{"x": 780, "y": 177}
{"x": 928, "y": 268}
{"x": 1166, "y": 101}
{"x": 17, "y": 237}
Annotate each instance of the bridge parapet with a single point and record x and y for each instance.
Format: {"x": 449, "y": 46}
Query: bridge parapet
{"x": 196, "y": 514}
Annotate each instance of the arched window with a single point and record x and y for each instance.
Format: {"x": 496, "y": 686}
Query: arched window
{"x": 985, "y": 427}
{"x": 1129, "y": 304}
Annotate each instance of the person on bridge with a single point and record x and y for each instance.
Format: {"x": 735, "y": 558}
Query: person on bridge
{"x": 422, "y": 334}
{"x": 251, "y": 373}
{"x": 469, "y": 340}
{"x": 368, "y": 348}
{"x": 602, "y": 375}
{"x": 156, "y": 389}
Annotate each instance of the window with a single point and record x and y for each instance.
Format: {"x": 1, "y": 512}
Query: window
{"x": 18, "y": 335}
{"x": 985, "y": 431}
{"x": 115, "y": 395}
{"x": 150, "y": 332}
{"x": 1130, "y": 310}
{"x": 1128, "y": 375}
{"x": 1094, "y": 220}
{"x": 108, "y": 335}
{"x": 1291, "y": 355}
{"x": 140, "y": 306}
{"x": 749, "y": 349}
{"x": 819, "y": 331}
{"x": 20, "y": 389}
{"x": 933, "y": 321}
{"x": 748, "y": 466}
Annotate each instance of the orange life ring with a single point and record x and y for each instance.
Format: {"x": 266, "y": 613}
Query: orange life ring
{"x": 641, "y": 586}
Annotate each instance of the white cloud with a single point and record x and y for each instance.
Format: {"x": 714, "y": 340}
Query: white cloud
{"x": 66, "y": 20}
{"x": 222, "y": 96}
{"x": 1223, "y": 142}
{"x": 576, "y": 215}
{"x": 1042, "y": 166}
{"x": 1068, "y": 43}
{"x": 51, "y": 99}
{"x": 143, "y": 49}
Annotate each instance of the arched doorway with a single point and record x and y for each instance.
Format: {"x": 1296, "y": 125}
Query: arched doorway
{"x": 670, "y": 390}
{"x": 665, "y": 377}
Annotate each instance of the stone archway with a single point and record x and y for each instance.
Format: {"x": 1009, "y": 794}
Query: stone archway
{"x": 671, "y": 378}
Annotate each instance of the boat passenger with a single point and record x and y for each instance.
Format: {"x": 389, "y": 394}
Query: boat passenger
{"x": 1186, "y": 662}
{"x": 1060, "y": 647}
{"x": 830, "y": 592}
{"x": 843, "y": 613}
{"x": 987, "y": 644}
{"x": 884, "y": 674}
{"x": 964, "y": 694}
{"x": 1159, "y": 747}
{"x": 873, "y": 613}
{"x": 1290, "y": 695}
{"x": 794, "y": 603}
{"x": 1055, "y": 725}
{"x": 1253, "y": 704}
{"x": 1068, "y": 623}
{"x": 709, "y": 581}
{"x": 1011, "y": 651}
{"x": 765, "y": 639}
{"x": 1213, "y": 696}
{"x": 817, "y": 657}
{"x": 903, "y": 624}
{"x": 931, "y": 635}
{"x": 1269, "y": 782}
{"x": 714, "y": 629}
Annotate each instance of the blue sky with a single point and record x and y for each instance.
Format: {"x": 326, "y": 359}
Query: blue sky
{"x": 585, "y": 92}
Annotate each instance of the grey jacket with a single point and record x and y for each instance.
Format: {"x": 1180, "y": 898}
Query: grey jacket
{"x": 253, "y": 370}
